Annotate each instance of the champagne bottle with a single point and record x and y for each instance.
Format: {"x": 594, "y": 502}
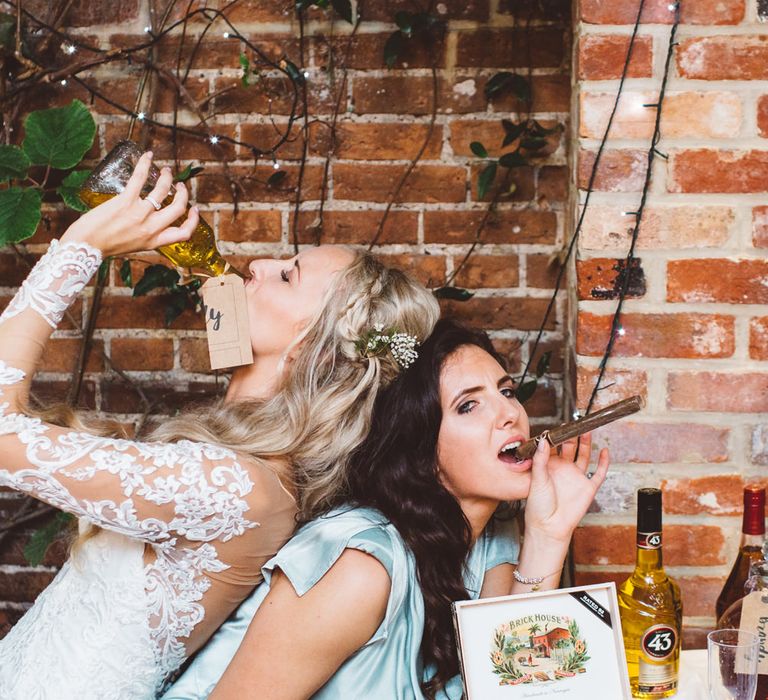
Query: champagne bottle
{"x": 109, "y": 178}
{"x": 651, "y": 609}
{"x": 750, "y": 548}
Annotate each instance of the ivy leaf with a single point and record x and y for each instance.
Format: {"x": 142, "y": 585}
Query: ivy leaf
{"x": 69, "y": 188}
{"x": 303, "y": 4}
{"x": 526, "y": 390}
{"x": 512, "y": 132}
{"x": 485, "y": 180}
{"x": 404, "y": 20}
{"x": 453, "y": 293}
{"x": 188, "y": 173}
{"x": 276, "y": 178}
{"x": 101, "y": 275}
{"x": 7, "y": 33}
{"x": 512, "y": 160}
{"x": 503, "y": 81}
{"x": 156, "y": 276}
{"x": 13, "y": 163}
{"x": 392, "y": 48}
{"x": 59, "y": 136}
{"x": 177, "y": 304}
{"x": 539, "y": 130}
{"x": 19, "y": 214}
{"x": 293, "y": 72}
{"x": 343, "y": 8}
{"x": 533, "y": 144}
{"x": 542, "y": 366}
{"x": 478, "y": 149}
{"x": 245, "y": 64}
{"x": 35, "y": 549}
{"x": 125, "y": 273}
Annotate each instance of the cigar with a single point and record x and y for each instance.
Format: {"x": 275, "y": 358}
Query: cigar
{"x": 559, "y": 435}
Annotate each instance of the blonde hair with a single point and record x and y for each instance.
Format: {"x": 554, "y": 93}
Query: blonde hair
{"x": 322, "y": 409}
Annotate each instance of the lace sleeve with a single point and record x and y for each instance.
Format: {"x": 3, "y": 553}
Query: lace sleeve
{"x": 151, "y": 491}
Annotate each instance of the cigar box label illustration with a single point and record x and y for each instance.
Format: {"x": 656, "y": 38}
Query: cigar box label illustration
{"x": 538, "y": 648}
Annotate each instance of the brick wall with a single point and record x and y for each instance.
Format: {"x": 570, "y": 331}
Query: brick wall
{"x": 696, "y": 340}
{"x": 383, "y": 122}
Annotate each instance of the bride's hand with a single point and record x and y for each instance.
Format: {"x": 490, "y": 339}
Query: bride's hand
{"x": 128, "y": 223}
{"x": 561, "y": 491}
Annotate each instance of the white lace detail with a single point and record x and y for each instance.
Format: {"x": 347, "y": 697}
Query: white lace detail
{"x": 55, "y": 281}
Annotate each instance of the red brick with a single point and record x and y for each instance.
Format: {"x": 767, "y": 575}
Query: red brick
{"x": 604, "y": 278}
{"x": 723, "y": 392}
{"x": 760, "y": 227}
{"x": 718, "y": 280}
{"x": 366, "y": 52}
{"x": 492, "y": 313}
{"x": 520, "y": 226}
{"x": 762, "y": 115}
{"x": 118, "y": 397}
{"x": 620, "y": 170}
{"x": 427, "y": 269}
{"x": 509, "y": 349}
{"x": 250, "y": 225}
{"x": 518, "y": 184}
{"x": 213, "y": 186}
{"x": 606, "y": 227}
{"x": 492, "y": 271}
{"x": 450, "y": 9}
{"x": 376, "y": 183}
{"x": 686, "y": 114}
{"x": 387, "y": 141}
{"x": 657, "y": 12}
{"x": 273, "y": 95}
{"x": 188, "y": 146}
{"x": 258, "y": 11}
{"x": 511, "y": 48}
{"x": 53, "y": 225}
{"x": 550, "y": 11}
{"x": 491, "y": 135}
{"x": 13, "y": 548}
{"x": 557, "y": 350}
{"x": 715, "y": 495}
{"x": 96, "y": 12}
{"x": 13, "y": 270}
{"x": 541, "y": 271}
{"x": 397, "y": 94}
{"x": 543, "y": 403}
{"x": 617, "y": 384}
{"x": 47, "y": 392}
{"x": 601, "y": 57}
{"x": 24, "y": 586}
{"x": 553, "y": 183}
{"x": 661, "y": 443}
{"x": 168, "y": 96}
{"x": 358, "y": 227}
{"x": 658, "y": 335}
{"x": 143, "y": 353}
{"x": 213, "y": 52}
{"x": 193, "y": 355}
{"x": 143, "y": 312}
{"x": 684, "y": 545}
{"x": 60, "y": 355}
{"x": 706, "y": 170}
{"x": 758, "y": 338}
{"x": 736, "y": 57}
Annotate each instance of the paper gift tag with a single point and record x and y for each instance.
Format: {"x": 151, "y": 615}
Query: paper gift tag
{"x": 226, "y": 321}
{"x": 754, "y": 618}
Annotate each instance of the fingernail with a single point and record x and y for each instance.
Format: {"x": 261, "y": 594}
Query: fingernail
{"x": 149, "y": 154}
{"x": 540, "y": 446}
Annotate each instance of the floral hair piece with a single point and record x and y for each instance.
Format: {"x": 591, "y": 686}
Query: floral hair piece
{"x": 402, "y": 346}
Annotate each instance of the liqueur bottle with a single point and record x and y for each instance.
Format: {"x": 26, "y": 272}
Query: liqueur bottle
{"x": 110, "y": 177}
{"x": 750, "y": 549}
{"x": 651, "y": 610}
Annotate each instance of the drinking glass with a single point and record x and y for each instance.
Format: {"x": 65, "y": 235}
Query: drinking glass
{"x": 732, "y": 664}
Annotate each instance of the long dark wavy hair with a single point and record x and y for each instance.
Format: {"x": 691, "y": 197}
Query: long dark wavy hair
{"x": 395, "y": 471}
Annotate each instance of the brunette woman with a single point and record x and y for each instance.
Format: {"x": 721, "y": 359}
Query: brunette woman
{"x": 358, "y": 603}
{"x": 175, "y": 528}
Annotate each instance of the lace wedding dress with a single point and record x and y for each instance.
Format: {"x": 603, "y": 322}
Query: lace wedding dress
{"x": 185, "y": 528}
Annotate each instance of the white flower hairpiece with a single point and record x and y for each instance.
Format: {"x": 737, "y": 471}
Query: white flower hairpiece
{"x": 402, "y": 346}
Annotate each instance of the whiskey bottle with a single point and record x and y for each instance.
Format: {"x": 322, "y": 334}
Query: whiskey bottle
{"x": 651, "y": 609}
{"x": 750, "y": 548}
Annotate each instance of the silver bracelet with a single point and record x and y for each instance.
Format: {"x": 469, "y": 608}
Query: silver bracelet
{"x": 534, "y": 582}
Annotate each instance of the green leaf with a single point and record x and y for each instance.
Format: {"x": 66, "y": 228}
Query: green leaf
{"x": 245, "y": 64}
{"x": 188, "y": 173}
{"x": 103, "y": 270}
{"x": 125, "y": 273}
{"x": 7, "y": 33}
{"x": 60, "y": 136}
{"x": 542, "y": 366}
{"x": 404, "y": 21}
{"x": 303, "y": 4}
{"x": 512, "y": 160}
{"x": 512, "y": 132}
{"x": 276, "y": 178}
{"x": 506, "y": 81}
{"x": 69, "y": 188}
{"x": 392, "y": 48}
{"x": 478, "y": 149}
{"x": 533, "y": 144}
{"x": 35, "y": 549}
{"x": 19, "y": 214}
{"x": 453, "y": 293}
{"x": 156, "y": 276}
{"x": 13, "y": 163}
{"x": 485, "y": 179}
{"x": 293, "y": 72}
{"x": 343, "y": 9}
{"x": 526, "y": 390}
{"x": 177, "y": 304}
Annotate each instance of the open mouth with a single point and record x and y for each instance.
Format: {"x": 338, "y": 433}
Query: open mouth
{"x": 508, "y": 453}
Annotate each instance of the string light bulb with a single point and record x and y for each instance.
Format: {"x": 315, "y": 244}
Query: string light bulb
{"x": 63, "y": 82}
{"x": 213, "y": 139}
{"x": 621, "y": 331}
{"x": 147, "y": 29}
{"x": 306, "y": 74}
{"x": 276, "y": 165}
{"x": 576, "y": 415}
{"x": 141, "y": 116}
{"x": 226, "y": 35}
{"x": 68, "y": 49}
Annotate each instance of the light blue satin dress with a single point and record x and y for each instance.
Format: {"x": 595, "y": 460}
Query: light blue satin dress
{"x": 389, "y": 665}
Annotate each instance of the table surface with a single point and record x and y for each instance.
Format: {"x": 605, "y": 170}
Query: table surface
{"x": 693, "y": 675}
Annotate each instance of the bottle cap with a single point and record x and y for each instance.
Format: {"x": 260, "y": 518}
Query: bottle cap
{"x": 649, "y": 510}
{"x": 754, "y": 510}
